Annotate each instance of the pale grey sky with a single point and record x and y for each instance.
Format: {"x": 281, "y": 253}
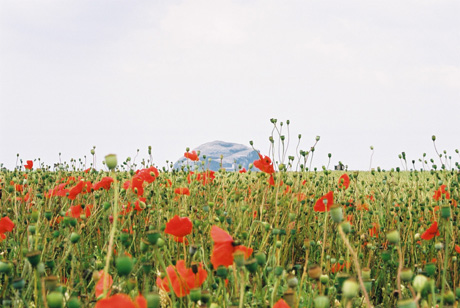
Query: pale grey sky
{"x": 122, "y": 75}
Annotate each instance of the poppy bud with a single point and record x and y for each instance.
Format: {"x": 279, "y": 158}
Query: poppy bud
{"x": 324, "y": 279}
{"x": 393, "y": 237}
{"x": 54, "y": 299}
{"x": 350, "y": 288}
{"x": 433, "y": 138}
{"x": 153, "y": 300}
{"x": 251, "y": 143}
{"x": 321, "y": 301}
{"x": 124, "y": 265}
{"x": 419, "y": 283}
{"x": 438, "y": 246}
{"x": 406, "y": 274}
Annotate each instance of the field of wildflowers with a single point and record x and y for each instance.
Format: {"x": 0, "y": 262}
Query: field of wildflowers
{"x": 143, "y": 237}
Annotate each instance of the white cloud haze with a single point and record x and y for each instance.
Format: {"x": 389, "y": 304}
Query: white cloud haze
{"x": 122, "y": 75}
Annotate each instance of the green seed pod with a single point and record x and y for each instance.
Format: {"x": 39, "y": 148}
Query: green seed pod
{"x": 106, "y": 205}
{"x": 111, "y": 161}
{"x": 407, "y": 303}
{"x": 153, "y": 236}
{"x": 393, "y": 237}
{"x": 346, "y": 227}
{"x": 419, "y": 283}
{"x": 366, "y": 273}
{"x": 430, "y": 269}
{"x": 124, "y": 265}
{"x": 261, "y": 258}
{"x": 18, "y": 283}
{"x": 406, "y": 274}
{"x": 31, "y": 229}
{"x": 251, "y": 265}
{"x": 350, "y": 288}
{"x": 222, "y": 272}
{"x": 34, "y": 257}
{"x": 238, "y": 258}
{"x": 74, "y": 237}
{"x": 74, "y": 302}
{"x": 195, "y": 294}
{"x": 449, "y": 297}
{"x": 153, "y": 300}
{"x": 321, "y": 301}
{"x": 324, "y": 279}
{"x": 48, "y": 215}
{"x": 336, "y": 213}
{"x": 55, "y": 299}
{"x": 205, "y": 297}
{"x": 278, "y": 270}
{"x": 445, "y": 212}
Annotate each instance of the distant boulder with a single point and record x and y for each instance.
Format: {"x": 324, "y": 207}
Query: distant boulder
{"x": 233, "y": 154}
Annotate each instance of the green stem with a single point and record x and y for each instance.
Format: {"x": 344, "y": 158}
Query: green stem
{"x": 112, "y": 234}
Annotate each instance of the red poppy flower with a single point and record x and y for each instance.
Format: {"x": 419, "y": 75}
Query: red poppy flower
{"x": 271, "y": 180}
{"x": 6, "y": 225}
{"x": 441, "y": 191}
{"x": 281, "y": 304}
{"x": 192, "y": 156}
{"x": 336, "y": 267}
{"x": 100, "y": 283}
{"x": 81, "y": 187}
{"x": 344, "y": 181}
{"x": 182, "y": 279}
{"x": 457, "y": 248}
{"x": 29, "y": 165}
{"x": 77, "y": 210}
{"x": 264, "y": 164}
{"x": 104, "y": 183}
{"x": 320, "y": 205}
{"x": 122, "y": 301}
{"x": 242, "y": 170}
{"x": 224, "y": 247}
{"x": 374, "y": 231}
{"x": 431, "y": 232}
{"x": 182, "y": 191}
{"x": 179, "y": 227}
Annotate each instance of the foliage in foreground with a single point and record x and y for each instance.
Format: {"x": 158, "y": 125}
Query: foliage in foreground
{"x": 249, "y": 239}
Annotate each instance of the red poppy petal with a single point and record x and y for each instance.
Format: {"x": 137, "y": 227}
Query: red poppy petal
{"x": 220, "y": 236}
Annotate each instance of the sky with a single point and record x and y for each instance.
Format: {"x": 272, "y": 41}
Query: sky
{"x": 123, "y": 75}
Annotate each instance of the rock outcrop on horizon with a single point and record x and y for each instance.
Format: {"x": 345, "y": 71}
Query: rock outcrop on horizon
{"x": 234, "y": 154}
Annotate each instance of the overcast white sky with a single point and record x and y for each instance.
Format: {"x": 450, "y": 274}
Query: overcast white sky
{"x": 123, "y": 75}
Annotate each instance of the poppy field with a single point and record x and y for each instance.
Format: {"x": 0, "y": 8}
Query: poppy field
{"x": 144, "y": 237}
